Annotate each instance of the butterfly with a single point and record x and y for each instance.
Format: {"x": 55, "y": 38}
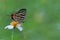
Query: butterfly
{"x": 19, "y": 16}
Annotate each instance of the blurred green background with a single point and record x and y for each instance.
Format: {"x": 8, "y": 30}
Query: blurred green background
{"x": 42, "y": 20}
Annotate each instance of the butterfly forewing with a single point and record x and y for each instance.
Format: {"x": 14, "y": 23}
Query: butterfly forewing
{"x": 20, "y": 15}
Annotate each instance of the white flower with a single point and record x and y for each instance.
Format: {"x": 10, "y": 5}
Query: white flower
{"x": 9, "y": 27}
{"x": 19, "y": 27}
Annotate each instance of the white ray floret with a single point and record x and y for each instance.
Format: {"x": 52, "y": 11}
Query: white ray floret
{"x": 19, "y": 27}
{"x": 9, "y": 27}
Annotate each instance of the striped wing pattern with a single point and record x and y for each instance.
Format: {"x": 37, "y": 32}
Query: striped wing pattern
{"x": 20, "y": 15}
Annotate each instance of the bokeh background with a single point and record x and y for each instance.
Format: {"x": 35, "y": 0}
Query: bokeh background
{"x": 42, "y": 21}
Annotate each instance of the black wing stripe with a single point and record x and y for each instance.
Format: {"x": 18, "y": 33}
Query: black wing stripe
{"x": 20, "y": 15}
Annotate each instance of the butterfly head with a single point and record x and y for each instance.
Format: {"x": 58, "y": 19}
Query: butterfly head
{"x": 12, "y": 15}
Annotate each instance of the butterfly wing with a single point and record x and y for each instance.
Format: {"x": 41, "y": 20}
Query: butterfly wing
{"x": 20, "y": 15}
